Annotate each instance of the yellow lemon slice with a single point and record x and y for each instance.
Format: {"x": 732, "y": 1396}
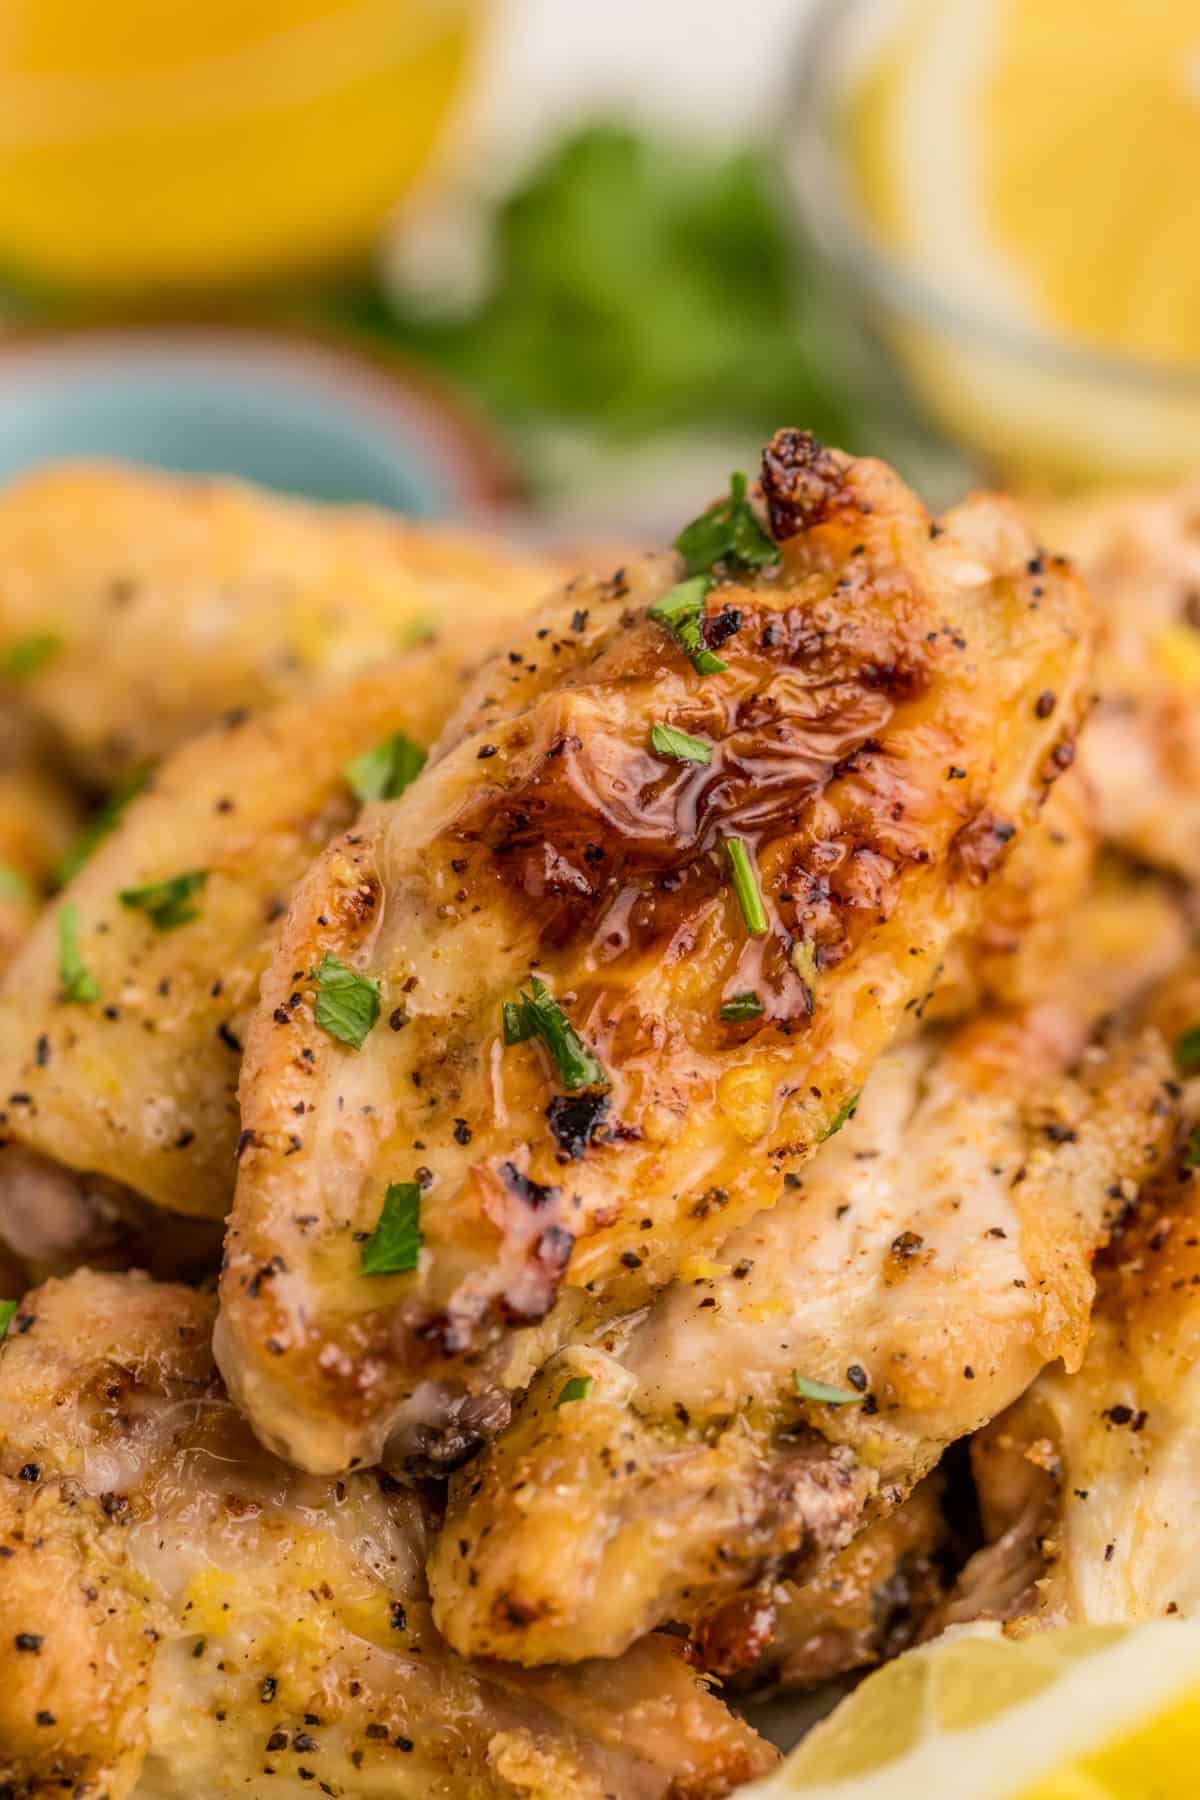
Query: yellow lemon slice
{"x": 1040, "y": 154}
{"x": 1106, "y": 1713}
{"x": 150, "y": 142}
{"x": 1031, "y": 162}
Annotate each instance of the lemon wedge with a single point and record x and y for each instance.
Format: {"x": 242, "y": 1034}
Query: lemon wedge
{"x": 1030, "y": 162}
{"x": 1089, "y": 1713}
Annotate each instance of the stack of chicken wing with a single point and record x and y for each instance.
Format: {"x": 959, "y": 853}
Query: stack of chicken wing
{"x": 572, "y": 1152}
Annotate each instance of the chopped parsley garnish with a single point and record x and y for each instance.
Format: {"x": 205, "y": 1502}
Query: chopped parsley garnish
{"x": 821, "y": 1390}
{"x": 7, "y": 1312}
{"x": 670, "y": 742}
{"x": 745, "y": 886}
{"x": 1191, "y": 1150}
{"x": 13, "y": 884}
{"x": 167, "y": 904}
{"x": 395, "y": 1244}
{"x": 538, "y": 1014}
{"x": 1187, "y": 1051}
{"x": 729, "y": 532}
{"x": 742, "y": 1006}
{"x": 383, "y": 772}
{"x": 28, "y": 656}
{"x": 99, "y": 826}
{"x": 681, "y": 610}
{"x": 79, "y": 985}
{"x": 575, "y": 1389}
{"x": 347, "y": 1002}
{"x": 841, "y": 1118}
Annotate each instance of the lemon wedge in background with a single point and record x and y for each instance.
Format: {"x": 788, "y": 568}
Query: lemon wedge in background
{"x": 1106, "y": 1713}
{"x": 1031, "y": 163}
{"x": 155, "y": 143}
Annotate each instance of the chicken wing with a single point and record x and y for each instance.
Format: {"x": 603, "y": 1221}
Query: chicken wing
{"x": 122, "y": 1019}
{"x": 865, "y": 1605}
{"x": 1141, "y": 556}
{"x": 181, "y": 1614}
{"x": 137, "y": 608}
{"x": 705, "y": 949}
{"x": 1088, "y": 1484}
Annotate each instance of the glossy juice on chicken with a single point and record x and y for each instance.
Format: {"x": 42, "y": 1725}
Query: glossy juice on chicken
{"x": 152, "y": 143}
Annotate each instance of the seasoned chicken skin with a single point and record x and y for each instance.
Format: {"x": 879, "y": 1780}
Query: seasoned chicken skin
{"x": 893, "y": 706}
{"x": 929, "y": 1262}
{"x": 180, "y": 1614}
{"x": 1088, "y": 1485}
{"x": 1140, "y": 554}
{"x": 154, "y": 605}
{"x": 134, "y": 1077}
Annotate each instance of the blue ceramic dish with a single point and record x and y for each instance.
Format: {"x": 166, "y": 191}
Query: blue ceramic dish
{"x": 290, "y": 412}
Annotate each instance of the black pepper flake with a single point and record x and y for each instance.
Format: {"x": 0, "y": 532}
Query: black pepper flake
{"x": 305, "y": 1744}
{"x": 1119, "y": 1415}
{"x": 485, "y": 751}
{"x": 31, "y": 1471}
{"x": 267, "y": 1688}
{"x": 46, "y": 1718}
{"x": 399, "y": 1617}
{"x": 462, "y": 1132}
{"x": 576, "y": 1120}
{"x": 857, "y": 1376}
{"x": 954, "y": 773}
{"x": 245, "y": 1140}
{"x": 1046, "y": 701}
{"x": 43, "y": 1051}
{"x": 278, "y": 1740}
{"x": 376, "y": 1731}
{"x": 229, "y": 1038}
{"x": 30, "y": 1642}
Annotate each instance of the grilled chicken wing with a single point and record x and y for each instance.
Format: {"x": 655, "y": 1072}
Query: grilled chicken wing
{"x": 181, "y": 1614}
{"x": 864, "y": 1606}
{"x": 892, "y": 707}
{"x": 38, "y": 819}
{"x": 1088, "y": 1484}
{"x": 141, "y": 608}
{"x": 1141, "y": 556}
{"x": 131, "y": 1073}
{"x": 931, "y": 1260}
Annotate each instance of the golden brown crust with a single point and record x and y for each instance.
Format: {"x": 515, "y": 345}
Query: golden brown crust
{"x": 877, "y": 718}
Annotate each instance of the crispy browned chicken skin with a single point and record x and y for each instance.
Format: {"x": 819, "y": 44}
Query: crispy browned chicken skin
{"x": 897, "y": 697}
{"x": 180, "y": 1614}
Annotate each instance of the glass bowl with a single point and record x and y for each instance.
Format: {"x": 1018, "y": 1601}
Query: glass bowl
{"x": 1035, "y": 407}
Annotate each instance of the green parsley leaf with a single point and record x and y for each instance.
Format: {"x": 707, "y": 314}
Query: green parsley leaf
{"x": 670, "y": 742}
{"x": 13, "y": 884}
{"x": 28, "y": 656}
{"x": 7, "y": 1312}
{"x": 1187, "y": 1051}
{"x": 99, "y": 826}
{"x": 384, "y": 772}
{"x": 821, "y": 1390}
{"x": 728, "y": 532}
{"x": 680, "y": 610}
{"x": 78, "y": 984}
{"x": 537, "y": 1014}
{"x": 347, "y": 1002}
{"x": 517, "y": 1022}
{"x": 167, "y": 904}
{"x": 745, "y": 886}
{"x": 575, "y": 1389}
{"x": 395, "y": 1244}
{"x": 742, "y": 1006}
{"x": 1191, "y": 1150}
{"x": 847, "y": 1112}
